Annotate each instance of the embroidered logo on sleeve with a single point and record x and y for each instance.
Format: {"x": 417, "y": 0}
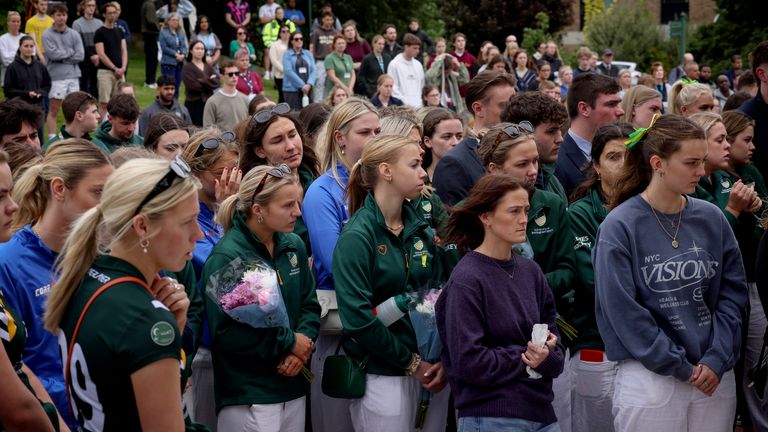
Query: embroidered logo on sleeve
{"x": 162, "y": 333}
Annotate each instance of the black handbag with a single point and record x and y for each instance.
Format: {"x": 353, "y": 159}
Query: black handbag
{"x": 343, "y": 376}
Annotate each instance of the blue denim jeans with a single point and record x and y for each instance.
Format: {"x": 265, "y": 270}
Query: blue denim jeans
{"x": 503, "y": 424}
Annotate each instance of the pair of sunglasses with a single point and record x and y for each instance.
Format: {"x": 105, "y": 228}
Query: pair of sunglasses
{"x": 212, "y": 143}
{"x": 279, "y": 171}
{"x": 513, "y": 131}
{"x": 177, "y": 169}
{"x": 266, "y": 115}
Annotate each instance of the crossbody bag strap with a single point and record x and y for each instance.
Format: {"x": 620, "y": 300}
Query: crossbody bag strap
{"x": 95, "y": 295}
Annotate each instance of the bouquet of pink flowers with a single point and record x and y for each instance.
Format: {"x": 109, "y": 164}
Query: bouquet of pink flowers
{"x": 248, "y": 291}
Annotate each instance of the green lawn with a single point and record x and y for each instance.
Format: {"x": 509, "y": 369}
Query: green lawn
{"x": 146, "y": 96}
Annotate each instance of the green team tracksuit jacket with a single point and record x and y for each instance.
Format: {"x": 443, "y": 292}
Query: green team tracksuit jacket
{"x": 245, "y": 359}
{"x": 370, "y": 265}
{"x": 586, "y": 215}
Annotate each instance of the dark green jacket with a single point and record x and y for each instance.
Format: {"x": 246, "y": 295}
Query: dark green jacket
{"x": 586, "y": 215}
{"x": 108, "y": 143}
{"x": 370, "y": 265}
{"x": 550, "y": 237}
{"x": 63, "y": 134}
{"x": 751, "y": 231}
{"x": 300, "y": 229}
{"x": 717, "y": 193}
{"x": 548, "y": 182}
{"x": 245, "y": 359}
{"x": 194, "y": 328}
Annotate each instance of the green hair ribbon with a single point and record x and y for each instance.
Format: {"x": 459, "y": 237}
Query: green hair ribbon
{"x": 637, "y": 136}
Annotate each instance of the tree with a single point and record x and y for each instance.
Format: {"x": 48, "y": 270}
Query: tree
{"x": 631, "y": 32}
{"x": 533, "y": 37}
{"x": 739, "y": 28}
{"x": 493, "y": 20}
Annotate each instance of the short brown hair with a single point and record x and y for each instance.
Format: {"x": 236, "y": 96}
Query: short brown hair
{"x": 74, "y": 102}
{"x": 228, "y": 64}
{"x": 409, "y": 40}
{"x": 534, "y": 107}
{"x": 123, "y": 106}
{"x": 458, "y": 35}
{"x": 587, "y": 88}
{"x": 481, "y": 85}
{"x": 59, "y": 8}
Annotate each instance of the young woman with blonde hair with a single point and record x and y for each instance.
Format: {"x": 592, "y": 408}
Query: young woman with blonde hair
{"x": 339, "y": 146}
{"x": 19, "y": 407}
{"x": 147, "y": 221}
{"x": 690, "y": 98}
{"x": 386, "y": 250}
{"x": 52, "y": 195}
{"x": 269, "y": 394}
{"x": 640, "y": 104}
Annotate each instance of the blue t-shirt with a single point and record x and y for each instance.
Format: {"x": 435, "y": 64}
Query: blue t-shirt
{"x": 325, "y": 211}
{"x": 26, "y": 276}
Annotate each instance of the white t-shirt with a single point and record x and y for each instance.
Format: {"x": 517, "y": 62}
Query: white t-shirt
{"x": 268, "y": 10}
{"x": 9, "y": 45}
{"x": 408, "y": 77}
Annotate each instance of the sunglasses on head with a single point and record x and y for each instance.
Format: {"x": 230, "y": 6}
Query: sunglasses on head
{"x": 279, "y": 171}
{"x": 513, "y": 131}
{"x": 266, "y": 115}
{"x": 177, "y": 169}
{"x": 212, "y": 143}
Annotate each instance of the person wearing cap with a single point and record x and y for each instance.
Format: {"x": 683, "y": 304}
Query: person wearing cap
{"x": 606, "y": 67}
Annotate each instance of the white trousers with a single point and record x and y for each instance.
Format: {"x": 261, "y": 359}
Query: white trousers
{"x": 561, "y": 387}
{"x": 389, "y": 405}
{"x": 328, "y": 414}
{"x": 280, "y": 417}
{"x": 202, "y": 403}
{"x": 592, "y": 395}
{"x": 321, "y": 75}
{"x": 647, "y": 402}
{"x": 755, "y": 332}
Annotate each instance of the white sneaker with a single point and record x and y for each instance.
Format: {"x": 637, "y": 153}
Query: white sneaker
{"x": 267, "y": 75}
{"x": 152, "y": 86}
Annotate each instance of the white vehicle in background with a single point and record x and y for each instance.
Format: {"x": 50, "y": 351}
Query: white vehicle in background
{"x": 632, "y": 66}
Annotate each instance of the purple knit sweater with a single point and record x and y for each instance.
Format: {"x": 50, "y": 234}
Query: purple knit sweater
{"x": 485, "y": 321}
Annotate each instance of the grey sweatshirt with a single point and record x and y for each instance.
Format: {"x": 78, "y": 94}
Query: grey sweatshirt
{"x": 669, "y": 308}
{"x": 87, "y": 29}
{"x": 64, "y": 50}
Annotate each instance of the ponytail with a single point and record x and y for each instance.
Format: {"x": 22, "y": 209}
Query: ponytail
{"x": 226, "y": 212}
{"x": 357, "y": 187}
{"x": 31, "y": 194}
{"x": 79, "y": 252}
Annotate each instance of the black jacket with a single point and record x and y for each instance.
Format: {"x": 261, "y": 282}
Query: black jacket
{"x": 369, "y": 73}
{"x": 22, "y": 78}
{"x": 570, "y": 165}
{"x": 612, "y": 72}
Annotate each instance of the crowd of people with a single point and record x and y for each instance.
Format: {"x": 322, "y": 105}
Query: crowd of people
{"x": 584, "y": 248}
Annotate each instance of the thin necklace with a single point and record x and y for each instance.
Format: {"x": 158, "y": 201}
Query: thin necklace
{"x": 675, "y": 244}
{"x": 394, "y": 229}
{"x": 501, "y": 268}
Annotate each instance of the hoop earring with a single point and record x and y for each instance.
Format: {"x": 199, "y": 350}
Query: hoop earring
{"x": 144, "y": 243}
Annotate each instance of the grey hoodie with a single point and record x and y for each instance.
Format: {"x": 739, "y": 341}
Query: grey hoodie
{"x": 64, "y": 50}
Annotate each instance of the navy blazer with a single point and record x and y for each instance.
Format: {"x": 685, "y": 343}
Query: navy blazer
{"x": 570, "y": 165}
{"x": 757, "y": 108}
{"x": 458, "y": 171}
